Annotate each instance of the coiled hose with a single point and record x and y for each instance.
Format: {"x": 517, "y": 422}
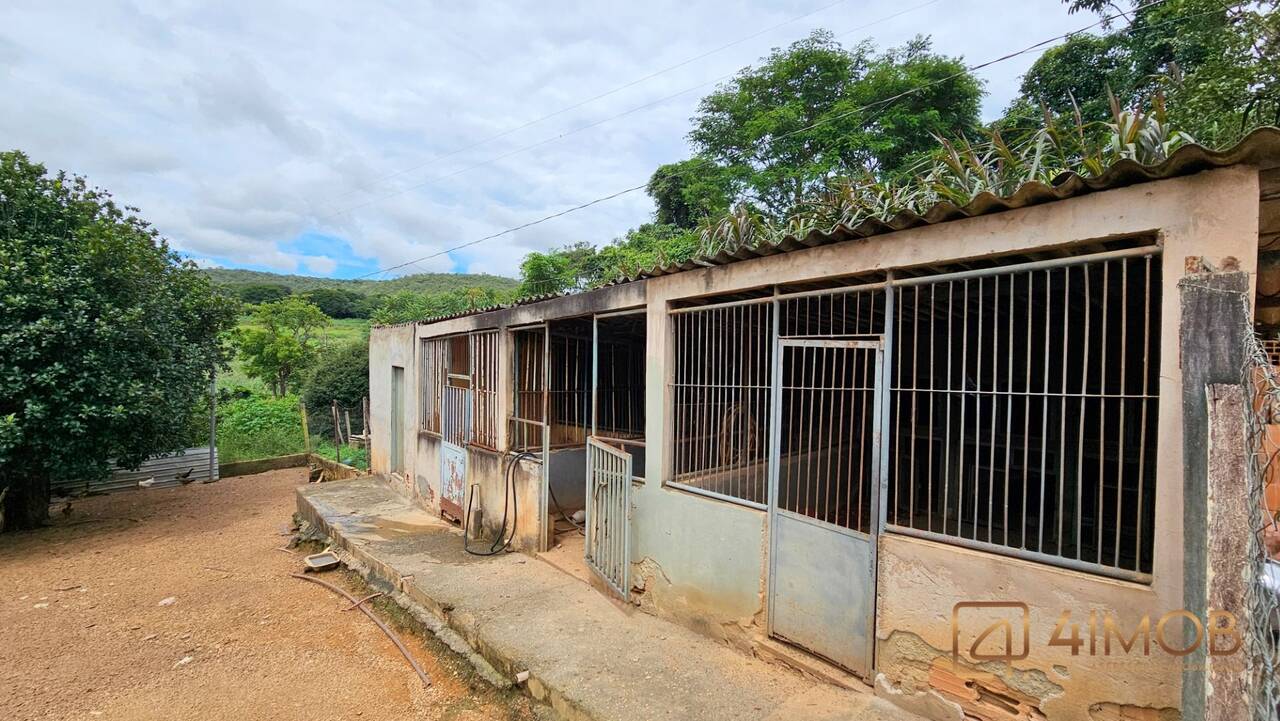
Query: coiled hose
{"x": 509, "y": 502}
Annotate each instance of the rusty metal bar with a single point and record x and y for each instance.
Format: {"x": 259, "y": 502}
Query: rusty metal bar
{"x": 1013, "y": 375}
{"x": 719, "y": 387}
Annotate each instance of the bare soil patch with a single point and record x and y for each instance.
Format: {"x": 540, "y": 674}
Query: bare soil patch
{"x": 89, "y": 630}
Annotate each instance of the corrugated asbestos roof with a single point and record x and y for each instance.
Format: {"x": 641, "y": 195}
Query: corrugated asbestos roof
{"x": 1260, "y": 147}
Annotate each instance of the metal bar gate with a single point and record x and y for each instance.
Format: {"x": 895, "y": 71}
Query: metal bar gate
{"x": 608, "y": 547}
{"x": 824, "y": 497}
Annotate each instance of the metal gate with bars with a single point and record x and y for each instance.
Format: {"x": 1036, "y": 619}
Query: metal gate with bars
{"x": 1010, "y": 408}
{"x": 825, "y": 483}
{"x": 608, "y": 551}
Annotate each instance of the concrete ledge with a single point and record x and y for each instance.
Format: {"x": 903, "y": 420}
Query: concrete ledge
{"x": 261, "y": 465}
{"x": 586, "y": 655}
{"x": 336, "y": 471}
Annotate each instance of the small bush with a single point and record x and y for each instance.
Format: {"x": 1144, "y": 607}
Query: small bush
{"x": 259, "y": 427}
{"x": 341, "y": 374}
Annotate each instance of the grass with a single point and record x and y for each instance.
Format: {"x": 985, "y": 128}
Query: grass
{"x": 351, "y": 455}
{"x": 347, "y": 330}
{"x": 269, "y": 443}
{"x": 283, "y": 436}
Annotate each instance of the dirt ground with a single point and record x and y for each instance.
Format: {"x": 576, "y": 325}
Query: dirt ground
{"x": 89, "y": 630}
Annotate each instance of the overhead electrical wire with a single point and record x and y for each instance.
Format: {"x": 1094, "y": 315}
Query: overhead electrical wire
{"x": 605, "y": 94}
{"x": 588, "y": 126}
{"x": 869, "y": 106}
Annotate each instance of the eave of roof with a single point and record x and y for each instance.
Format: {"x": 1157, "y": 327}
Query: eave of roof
{"x": 1260, "y": 147}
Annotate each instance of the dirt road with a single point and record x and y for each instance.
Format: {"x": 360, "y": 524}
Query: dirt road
{"x": 176, "y": 604}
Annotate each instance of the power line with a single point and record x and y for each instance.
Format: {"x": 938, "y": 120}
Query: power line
{"x": 823, "y": 121}
{"x": 588, "y": 126}
{"x": 605, "y": 94}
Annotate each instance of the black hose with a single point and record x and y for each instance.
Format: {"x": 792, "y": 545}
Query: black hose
{"x": 509, "y": 502}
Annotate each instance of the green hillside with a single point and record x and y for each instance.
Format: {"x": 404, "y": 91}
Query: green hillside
{"x": 420, "y": 283}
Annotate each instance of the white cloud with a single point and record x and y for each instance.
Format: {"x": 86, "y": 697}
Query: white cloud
{"x": 320, "y": 264}
{"x": 237, "y": 128}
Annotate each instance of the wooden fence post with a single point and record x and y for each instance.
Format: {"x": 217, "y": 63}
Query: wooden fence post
{"x": 306, "y": 437}
{"x": 1211, "y": 350}
{"x": 1230, "y": 519}
{"x": 337, "y": 431}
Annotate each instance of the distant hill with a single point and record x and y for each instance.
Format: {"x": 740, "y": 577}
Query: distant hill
{"x": 421, "y": 283}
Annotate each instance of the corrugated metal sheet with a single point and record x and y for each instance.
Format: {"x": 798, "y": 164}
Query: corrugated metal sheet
{"x": 192, "y": 462}
{"x": 1260, "y": 148}
{"x": 526, "y": 300}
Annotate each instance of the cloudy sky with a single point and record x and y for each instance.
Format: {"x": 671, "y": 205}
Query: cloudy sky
{"x": 340, "y": 138}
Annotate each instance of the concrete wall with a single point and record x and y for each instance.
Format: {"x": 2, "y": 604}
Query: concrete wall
{"x": 485, "y": 469}
{"x": 708, "y": 558}
{"x": 388, "y": 347}
{"x": 703, "y": 561}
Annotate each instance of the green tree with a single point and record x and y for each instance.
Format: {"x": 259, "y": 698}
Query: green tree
{"x": 1217, "y": 63}
{"x": 341, "y": 374}
{"x": 782, "y": 129}
{"x": 107, "y": 337}
{"x": 281, "y": 341}
{"x": 686, "y": 192}
{"x": 263, "y": 292}
{"x": 338, "y": 303}
{"x": 408, "y": 306}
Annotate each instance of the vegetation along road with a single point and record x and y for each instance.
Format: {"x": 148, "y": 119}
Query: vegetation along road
{"x": 175, "y": 604}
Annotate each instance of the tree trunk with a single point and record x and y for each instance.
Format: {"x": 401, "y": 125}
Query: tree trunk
{"x": 26, "y": 504}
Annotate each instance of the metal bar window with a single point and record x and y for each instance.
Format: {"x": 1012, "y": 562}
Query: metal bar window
{"x": 484, "y": 376}
{"x": 570, "y": 388}
{"x": 431, "y": 380}
{"x": 528, "y": 406}
{"x": 721, "y": 400}
{"x": 1024, "y": 411}
{"x": 826, "y": 463}
{"x": 620, "y": 369}
{"x": 456, "y": 410}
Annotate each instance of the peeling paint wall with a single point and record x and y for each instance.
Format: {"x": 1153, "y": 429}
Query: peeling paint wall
{"x": 699, "y": 561}
{"x": 921, "y": 581}
{"x": 703, "y": 562}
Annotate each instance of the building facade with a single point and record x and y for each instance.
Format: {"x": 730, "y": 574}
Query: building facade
{"x": 868, "y": 445}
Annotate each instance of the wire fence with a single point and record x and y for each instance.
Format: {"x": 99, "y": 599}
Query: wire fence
{"x": 1261, "y": 380}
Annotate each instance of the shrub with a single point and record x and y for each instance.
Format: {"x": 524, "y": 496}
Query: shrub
{"x": 259, "y": 427}
{"x": 341, "y": 374}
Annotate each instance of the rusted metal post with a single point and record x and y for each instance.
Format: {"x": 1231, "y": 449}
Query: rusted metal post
{"x": 1229, "y": 518}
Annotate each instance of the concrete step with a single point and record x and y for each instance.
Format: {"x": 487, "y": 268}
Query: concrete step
{"x": 583, "y": 654}
{"x": 807, "y": 664}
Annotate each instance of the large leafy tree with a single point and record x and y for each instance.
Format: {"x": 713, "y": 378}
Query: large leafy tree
{"x": 340, "y": 374}
{"x": 282, "y": 341}
{"x": 1216, "y": 62}
{"x": 263, "y": 292}
{"x": 686, "y": 192}
{"x": 816, "y": 109}
{"x": 107, "y": 337}
{"x": 338, "y": 302}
